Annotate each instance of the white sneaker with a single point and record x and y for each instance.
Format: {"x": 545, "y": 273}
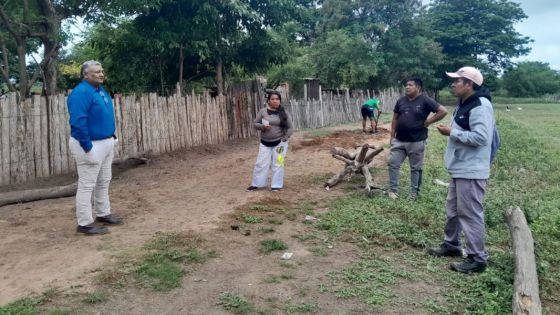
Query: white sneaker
{"x": 393, "y": 195}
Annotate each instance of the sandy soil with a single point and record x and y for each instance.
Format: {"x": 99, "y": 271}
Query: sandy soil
{"x": 193, "y": 191}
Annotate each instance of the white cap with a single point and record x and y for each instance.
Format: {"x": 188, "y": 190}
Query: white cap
{"x": 468, "y": 73}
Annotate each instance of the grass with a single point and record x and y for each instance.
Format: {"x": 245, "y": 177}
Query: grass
{"x": 292, "y": 308}
{"x": 96, "y": 297}
{"x": 268, "y": 246}
{"x": 251, "y": 219}
{"x": 162, "y": 267}
{"x": 525, "y": 174}
{"x": 237, "y": 304}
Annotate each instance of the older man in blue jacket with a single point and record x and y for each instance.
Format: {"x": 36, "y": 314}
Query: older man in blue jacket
{"x": 92, "y": 124}
{"x": 467, "y": 159}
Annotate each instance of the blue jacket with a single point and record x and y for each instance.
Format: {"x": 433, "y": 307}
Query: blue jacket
{"x": 468, "y": 151}
{"x": 91, "y": 114}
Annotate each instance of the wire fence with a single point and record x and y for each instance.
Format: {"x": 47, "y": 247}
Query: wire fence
{"x": 34, "y": 133}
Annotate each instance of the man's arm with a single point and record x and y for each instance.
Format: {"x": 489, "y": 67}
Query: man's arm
{"x": 437, "y": 116}
{"x": 78, "y": 106}
{"x": 394, "y": 126}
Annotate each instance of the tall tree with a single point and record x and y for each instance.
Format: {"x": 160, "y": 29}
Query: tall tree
{"x": 480, "y": 33}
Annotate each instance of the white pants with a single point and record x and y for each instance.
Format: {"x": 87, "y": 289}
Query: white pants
{"x": 266, "y": 157}
{"x": 94, "y": 176}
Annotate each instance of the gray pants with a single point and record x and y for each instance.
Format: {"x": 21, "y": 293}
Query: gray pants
{"x": 466, "y": 213}
{"x": 399, "y": 151}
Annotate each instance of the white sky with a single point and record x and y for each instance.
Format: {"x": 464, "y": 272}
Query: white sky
{"x": 542, "y": 25}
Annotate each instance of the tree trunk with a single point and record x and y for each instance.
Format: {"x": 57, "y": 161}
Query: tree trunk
{"x": 181, "y": 61}
{"x": 220, "y": 75}
{"x": 526, "y": 284}
{"x": 24, "y": 87}
{"x": 50, "y": 69}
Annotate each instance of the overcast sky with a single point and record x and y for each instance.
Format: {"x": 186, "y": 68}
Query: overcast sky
{"x": 543, "y": 26}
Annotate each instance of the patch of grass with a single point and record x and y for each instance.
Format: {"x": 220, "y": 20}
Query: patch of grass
{"x": 160, "y": 273}
{"x": 161, "y": 267}
{"x": 268, "y": 246}
{"x": 95, "y": 297}
{"x": 59, "y": 312}
{"x": 251, "y": 219}
{"x": 372, "y": 280}
{"x": 292, "y": 308}
{"x": 237, "y": 304}
{"x": 275, "y": 221}
{"x": 265, "y": 230}
{"x": 25, "y": 306}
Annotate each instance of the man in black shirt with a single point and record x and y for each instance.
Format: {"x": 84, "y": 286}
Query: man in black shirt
{"x": 409, "y": 131}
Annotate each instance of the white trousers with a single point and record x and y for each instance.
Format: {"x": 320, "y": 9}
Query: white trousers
{"x": 94, "y": 176}
{"x": 266, "y": 157}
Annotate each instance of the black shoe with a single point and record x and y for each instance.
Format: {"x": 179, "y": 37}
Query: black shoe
{"x": 92, "y": 229}
{"x": 445, "y": 250}
{"x": 252, "y": 188}
{"x": 110, "y": 219}
{"x": 275, "y": 189}
{"x": 469, "y": 265}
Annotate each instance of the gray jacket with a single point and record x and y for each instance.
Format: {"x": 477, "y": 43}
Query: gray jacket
{"x": 276, "y": 132}
{"x": 468, "y": 152}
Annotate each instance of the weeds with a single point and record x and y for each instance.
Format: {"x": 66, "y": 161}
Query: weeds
{"x": 95, "y": 297}
{"x": 268, "y": 246}
{"x": 235, "y": 303}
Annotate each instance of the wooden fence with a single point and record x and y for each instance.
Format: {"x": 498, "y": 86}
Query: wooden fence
{"x": 34, "y": 134}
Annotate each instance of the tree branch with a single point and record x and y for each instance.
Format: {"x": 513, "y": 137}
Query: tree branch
{"x": 43, "y": 63}
{"x": 7, "y": 23}
{"x": 5, "y": 67}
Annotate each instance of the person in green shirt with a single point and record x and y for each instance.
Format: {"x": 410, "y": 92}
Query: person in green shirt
{"x": 368, "y": 109}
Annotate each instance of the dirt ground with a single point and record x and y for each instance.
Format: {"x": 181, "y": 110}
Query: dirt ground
{"x": 195, "y": 191}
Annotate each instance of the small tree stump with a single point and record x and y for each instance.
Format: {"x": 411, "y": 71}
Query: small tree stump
{"x": 526, "y": 284}
{"x": 356, "y": 162}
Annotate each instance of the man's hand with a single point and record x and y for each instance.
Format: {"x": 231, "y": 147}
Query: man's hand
{"x": 266, "y": 127}
{"x": 444, "y": 130}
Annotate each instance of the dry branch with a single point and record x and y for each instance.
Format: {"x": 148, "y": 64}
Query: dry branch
{"x": 526, "y": 284}
{"x": 29, "y": 195}
{"x": 356, "y": 162}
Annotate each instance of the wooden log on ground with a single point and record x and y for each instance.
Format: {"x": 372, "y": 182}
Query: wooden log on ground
{"x": 343, "y": 152}
{"x": 13, "y": 197}
{"x": 355, "y": 163}
{"x": 526, "y": 283}
{"x": 339, "y": 177}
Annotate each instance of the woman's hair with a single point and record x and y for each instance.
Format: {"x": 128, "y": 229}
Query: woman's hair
{"x": 281, "y": 111}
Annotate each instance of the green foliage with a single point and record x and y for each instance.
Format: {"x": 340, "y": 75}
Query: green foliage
{"x": 161, "y": 268}
{"x": 531, "y": 79}
{"x": 247, "y": 218}
{"x": 235, "y": 303}
{"x": 344, "y": 60}
{"x": 479, "y": 33}
{"x": 95, "y": 297}
{"x": 26, "y": 306}
{"x": 292, "y": 308}
{"x": 268, "y": 246}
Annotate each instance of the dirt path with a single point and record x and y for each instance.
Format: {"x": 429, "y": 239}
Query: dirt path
{"x": 190, "y": 191}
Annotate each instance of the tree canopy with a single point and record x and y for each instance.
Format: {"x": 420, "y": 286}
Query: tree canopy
{"x": 148, "y": 45}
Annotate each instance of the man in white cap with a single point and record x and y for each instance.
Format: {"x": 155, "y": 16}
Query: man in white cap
{"x": 467, "y": 159}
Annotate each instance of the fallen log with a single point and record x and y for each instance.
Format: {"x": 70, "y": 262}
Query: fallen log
{"x": 526, "y": 298}
{"x": 29, "y": 195}
{"x": 356, "y": 162}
